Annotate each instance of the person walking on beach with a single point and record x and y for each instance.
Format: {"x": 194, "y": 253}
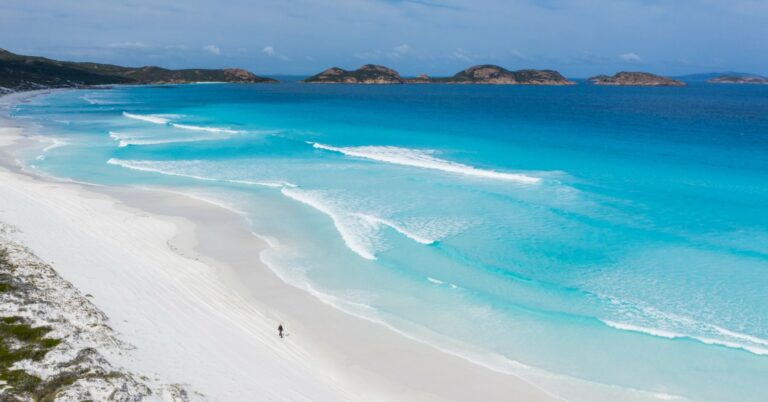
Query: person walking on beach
{"x": 280, "y": 330}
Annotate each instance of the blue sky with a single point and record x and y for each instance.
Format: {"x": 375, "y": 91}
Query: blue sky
{"x": 438, "y": 37}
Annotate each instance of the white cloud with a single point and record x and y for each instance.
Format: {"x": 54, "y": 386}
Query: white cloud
{"x": 402, "y": 49}
{"x": 631, "y": 57}
{"x": 213, "y": 49}
{"x": 269, "y": 50}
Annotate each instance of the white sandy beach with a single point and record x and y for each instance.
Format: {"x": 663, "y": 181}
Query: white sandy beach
{"x": 181, "y": 280}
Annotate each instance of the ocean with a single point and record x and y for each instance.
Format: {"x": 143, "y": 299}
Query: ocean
{"x": 604, "y": 237}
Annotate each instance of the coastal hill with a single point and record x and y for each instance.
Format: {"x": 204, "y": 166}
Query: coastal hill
{"x": 490, "y": 74}
{"x": 367, "y": 74}
{"x": 635, "y": 79}
{"x": 19, "y": 72}
{"x": 738, "y": 79}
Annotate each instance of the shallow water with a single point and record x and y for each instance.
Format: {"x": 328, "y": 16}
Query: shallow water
{"x": 614, "y": 235}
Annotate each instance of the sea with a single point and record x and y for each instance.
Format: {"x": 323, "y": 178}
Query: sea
{"x": 592, "y": 240}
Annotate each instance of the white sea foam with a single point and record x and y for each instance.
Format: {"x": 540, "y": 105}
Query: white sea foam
{"x": 95, "y": 100}
{"x": 55, "y": 143}
{"x": 745, "y": 337}
{"x": 126, "y": 140}
{"x": 423, "y": 159}
{"x": 151, "y": 166}
{"x": 675, "y": 335}
{"x": 208, "y": 129}
{"x": 359, "y": 234}
{"x": 398, "y": 228}
{"x": 441, "y": 283}
{"x": 150, "y": 118}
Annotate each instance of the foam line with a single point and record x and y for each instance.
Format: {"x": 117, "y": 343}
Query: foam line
{"x": 208, "y": 129}
{"x": 155, "y": 119}
{"x": 398, "y": 228}
{"x": 674, "y": 335}
{"x": 354, "y": 242}
{"x": 142, "y": 166}
{"x": 425, "y": 160}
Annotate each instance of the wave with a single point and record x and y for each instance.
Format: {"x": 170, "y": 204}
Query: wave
{"x": 359, "y": 234}
{"x": 425, "y": 160}
{"x": 150, "y": 118}
{"x": 706, "y": 340}
{"x": 94, "y": 101}
{"x": 208, "y": 129}
{"x": 124, "y": 140}
{"x": 398, "y": 228}
{"x": 55, "y": 143}
{"x": 149, "y": 166}
{"x": 441, "y": 283}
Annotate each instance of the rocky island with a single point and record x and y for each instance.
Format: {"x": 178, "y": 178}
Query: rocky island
{"x": 738, "y": 79}
{"x": 19, "y": 73}
{"x": 635, "y": 79}
{"x": 483, "y": 74}
{"x": 491, "y": 74}
{"x": 367, "y": 74}
{"x": 419, "y": 79}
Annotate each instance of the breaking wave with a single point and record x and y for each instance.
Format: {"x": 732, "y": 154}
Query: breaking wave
{"x": 126, "y": 140}
{"x": 361, "y": 232}
{"x": 151, "y": 166}
{"x": 706, "y": 340}
{"x": 423, "y": 159}
{"x": 208, "y": 129}
{"x": 150, "y": 118}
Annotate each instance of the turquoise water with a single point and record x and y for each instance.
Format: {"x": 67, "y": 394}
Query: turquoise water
{"x": 618, "y": 236}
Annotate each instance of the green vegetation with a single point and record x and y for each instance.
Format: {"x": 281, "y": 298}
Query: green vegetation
{"x": 20, "y": 341}
{"x": 28, "y": 72}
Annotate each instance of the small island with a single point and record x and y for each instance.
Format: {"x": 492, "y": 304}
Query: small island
{"x": 482, "y": 74}
{"x": 738, "y": 79}
{"x": 367, "y": 74}
{"x": 491, "y": 74}
{"x": 30, "y": 72}
{"x": 419, "y": 79}
{"x": 638, "y": 79}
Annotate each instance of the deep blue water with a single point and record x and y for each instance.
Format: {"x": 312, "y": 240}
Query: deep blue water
{"x": 618, "y": 236}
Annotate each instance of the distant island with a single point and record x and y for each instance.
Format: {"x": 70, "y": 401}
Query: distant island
{"x": 635, "y": 79}
{"x": 738, "y": 79}
{"x": 482, "y": 74}
{"x": 21, "y": 73}
{"x": 491, "y": 74}
{"x": 367, "y": 74}
{"x": 18, "y": 73}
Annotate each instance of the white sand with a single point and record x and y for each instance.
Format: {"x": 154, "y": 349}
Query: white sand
{"x": 180, "y": 279}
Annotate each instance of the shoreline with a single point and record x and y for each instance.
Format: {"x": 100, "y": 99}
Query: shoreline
{"x": 328, "y": 355}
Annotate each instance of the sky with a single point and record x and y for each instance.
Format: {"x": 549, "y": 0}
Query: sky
{"x": 579, "y": 38}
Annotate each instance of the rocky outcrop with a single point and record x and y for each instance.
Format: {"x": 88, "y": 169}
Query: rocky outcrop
{"x": 19, "y": 72}
{"x": 635, "y": 79}
{"x": 367, "y": 74}
{"x": 738, "y": 79}
{"x": 491, "y": 74}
